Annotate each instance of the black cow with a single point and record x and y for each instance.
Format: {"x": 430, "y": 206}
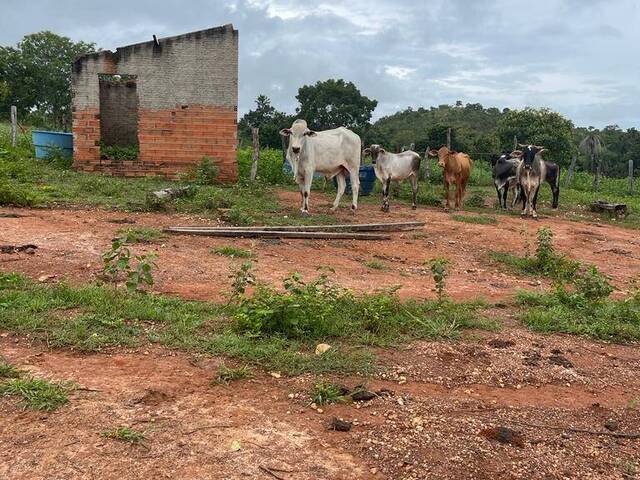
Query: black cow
{"x": 504, "y": 177}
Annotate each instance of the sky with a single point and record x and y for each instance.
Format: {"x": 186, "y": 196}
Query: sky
{"x": 578, "y": 57}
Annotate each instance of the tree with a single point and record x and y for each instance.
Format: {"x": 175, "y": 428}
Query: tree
{"x": 539, "y": 127}
{"x": 37, "y": 74}
{"x": 592, "y": 146}
{"x": 335, "y": 103}
{"x": 269, "y": 120}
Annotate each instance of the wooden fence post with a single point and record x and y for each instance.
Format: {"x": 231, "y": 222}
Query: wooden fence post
{"x": 412, "y": 146}
{"x": 572, "y": 168}
{"x": 14, "y": 125}
{"x": 630, "y": 176}
{"x": 515, "y": 142}
{"x": 256, "y": 153}
{"x": 427, "y": 165}
{"x": 449, "y": 138}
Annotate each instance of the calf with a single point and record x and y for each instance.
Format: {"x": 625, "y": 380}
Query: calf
{"x": 504, "y": 177}
{"x": 332, "y": 153}
{"x": 530, "y": 172}
{"x": 396, "y": 167}
{"x": 457, "y": 169}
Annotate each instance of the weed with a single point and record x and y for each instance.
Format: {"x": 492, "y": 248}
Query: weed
{"x": 36, "y": 393}
{"x": 125, "y": 434}
{"x": 205, "y": 173}
{"x": 242, "y": 278}
{"x": 324, "y": 393}
{"x": 140, "y": 234}
{"x": 439, "y": 272}
{"x": 375, "y": 265}
{"x": 118, "y": 152}
{"x": 475, "y": 200}
{"x": 117, "y": 263}
{"x": 8, "y": 371}
{"x": 546, "y": 261}
{"x": 478, "y": 219}
{"x": 233, "y": 252}
{"x": 226, "y": 375}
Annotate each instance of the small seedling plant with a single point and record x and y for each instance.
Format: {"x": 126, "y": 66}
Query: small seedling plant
{"x": 137, "y": 270}
{"x": 439, "y": 272}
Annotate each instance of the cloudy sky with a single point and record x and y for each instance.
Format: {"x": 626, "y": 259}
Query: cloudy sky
{"x": 579, "y": 57}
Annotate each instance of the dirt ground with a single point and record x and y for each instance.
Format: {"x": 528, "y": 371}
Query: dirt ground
{"x": 441, "y": 398}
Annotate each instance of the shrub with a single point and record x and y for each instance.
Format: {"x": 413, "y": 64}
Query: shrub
{"x": 119, "y": 152}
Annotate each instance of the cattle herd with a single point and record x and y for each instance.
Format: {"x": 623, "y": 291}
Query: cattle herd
{"x": 337, "y": 153}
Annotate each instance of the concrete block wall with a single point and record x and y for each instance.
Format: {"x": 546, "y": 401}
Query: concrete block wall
{"x": 187, "y": 89}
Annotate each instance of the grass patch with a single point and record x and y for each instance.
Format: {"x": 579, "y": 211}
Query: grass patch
{"x": 559, "y": 311}
{"x": 478, "y": 219}
{"x": 140, "y": 234}
{"x": 233, "y": 252}
{"x": 274, "y": 330}
{"x": 324, "y": 393}
{"x": 8, "y": 371}
{"x": 376, "y": 265}
{"x": 226, "y": 375}
{"x": 36, "y": 393}
{"x": 125, "y": 434}
{"x": 546, "y": 262}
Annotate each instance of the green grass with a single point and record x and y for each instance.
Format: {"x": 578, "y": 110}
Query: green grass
{"x": 376, "y": 265}
{"x": 140, "y": 234}
{"x": 272, "y": 330}
{"x": 125, "y": 434}
{"x": 36, "y": 393}
{"x": 8, "y": 371}
{"x": 234, "y": 252}
{"x": 226, "y": 375}
{"x": 558, "y": 311}
{"x": 479, "y": 219}
{"x": 324, "y": 393}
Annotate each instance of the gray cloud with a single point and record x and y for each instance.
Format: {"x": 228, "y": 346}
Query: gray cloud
{"x": 575, "y": 56}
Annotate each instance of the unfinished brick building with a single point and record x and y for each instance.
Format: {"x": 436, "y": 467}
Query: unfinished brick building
{"x": 175, "y": 98}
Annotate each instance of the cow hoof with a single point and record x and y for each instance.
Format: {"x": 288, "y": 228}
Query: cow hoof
{"x": 305, "y": 213}
{"x": 354, "y": 209}
{"x": 414, "y": 207}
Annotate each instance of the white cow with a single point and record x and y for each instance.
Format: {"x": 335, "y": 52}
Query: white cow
{"x": 332, "y": 153}
{"x": 397, "y": 167}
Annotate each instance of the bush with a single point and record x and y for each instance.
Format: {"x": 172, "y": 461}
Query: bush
{"x": 269, "y": 167}
{"x": 119, "y": 152}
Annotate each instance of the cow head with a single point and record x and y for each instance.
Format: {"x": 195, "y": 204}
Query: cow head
{"x": 374, "y": 151}
{"x": 298, "y": 133}
{"x": 497, "y": 158}
{"x": 528, "y": 154}
{"x": 443, "y": 153}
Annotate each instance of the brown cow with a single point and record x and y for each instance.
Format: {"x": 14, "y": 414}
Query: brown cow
{"x": 457, "y": 168}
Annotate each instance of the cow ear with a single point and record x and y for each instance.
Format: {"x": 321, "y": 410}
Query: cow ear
{"x": 310, "y": 133}
{"x": 382, "y": 150}
{"x": 285, "y": 132}
{"x": 433, "y": 153}
{"x": 366, "y": 151}
{"x": 516, "y": 154}
{"x": 453, "y": 152}
{"x": 542, "y": 150}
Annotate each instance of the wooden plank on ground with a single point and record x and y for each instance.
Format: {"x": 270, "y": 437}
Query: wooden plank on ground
{"x": 282, "y": 234}
{"x": 357, "y": 227}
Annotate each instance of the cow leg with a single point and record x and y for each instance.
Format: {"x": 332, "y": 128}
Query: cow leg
{"x": 460, "y": 188}
{"x": 355, "y": 188}
{"x": 555, "y": 189}
{"x": 525, "y": 201}
{"x": 342, "y": 185}
{"x": 505, "y": 193}
{"x": 414, "y": 190}
{"x": 386, "y": 186}
{"x": 446, "y": 194}
{"x": 534, "y": 214}
{"x": 306, "y": 190}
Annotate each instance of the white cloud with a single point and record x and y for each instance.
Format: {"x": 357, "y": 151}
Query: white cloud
{"x": 401, "y": 73}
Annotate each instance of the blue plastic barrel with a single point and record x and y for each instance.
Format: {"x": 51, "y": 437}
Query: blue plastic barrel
{"x": 46, "y": 142}
{"x": 367, "y": 180}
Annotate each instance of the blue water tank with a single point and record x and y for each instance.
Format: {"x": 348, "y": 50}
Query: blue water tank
{"x": 45, "y": 142}
{"x": 367, "y": 180}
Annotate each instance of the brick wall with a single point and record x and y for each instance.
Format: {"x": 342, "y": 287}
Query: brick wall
{"x": 187, "y": 89}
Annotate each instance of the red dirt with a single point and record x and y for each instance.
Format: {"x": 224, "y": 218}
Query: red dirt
{"x": 444, "y": 393}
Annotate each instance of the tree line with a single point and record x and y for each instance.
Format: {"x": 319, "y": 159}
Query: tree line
{"x": 35, "y": 75}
